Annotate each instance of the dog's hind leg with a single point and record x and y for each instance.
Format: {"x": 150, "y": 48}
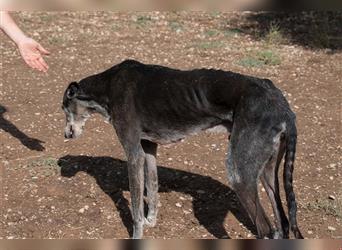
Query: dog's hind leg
{"x": 245, "y": 162}
{"x": 151, "y": 181}
{"x": 270, "y": 181}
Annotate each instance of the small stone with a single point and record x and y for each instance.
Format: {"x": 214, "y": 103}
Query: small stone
{"x": 86, "y": 207}
{"x": 178, "y": 204}
{"x": 331, "y": 197}
{"x": 81, "y": 211}
{"x": 330, "y": 228}
{"x": 332, "y": 165}
{"x": 249, "y": 235}
{"x": 310, "y": 232}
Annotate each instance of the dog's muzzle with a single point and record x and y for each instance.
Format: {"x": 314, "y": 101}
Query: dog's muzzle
{"x": 73, "y": 131}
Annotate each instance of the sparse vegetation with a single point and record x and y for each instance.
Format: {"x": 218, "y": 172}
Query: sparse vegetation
{"x": 268, "y": 57}
{"x": 43, "y": 167}
{"x": 210, "y": 45}
{"x": 261, "y": 58}
{"x": 175, "y": 26}
{"x": 142, "y": 21}
{"x": 328, "y": 207}
{"x": 274, "y": 35}
{"x": 232, "y": 32}
{"x": 212, "y": 32}
{"x": 250, "y": 62}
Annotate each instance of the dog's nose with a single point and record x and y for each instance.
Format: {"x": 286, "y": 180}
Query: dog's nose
{"x": 69, "y": 134}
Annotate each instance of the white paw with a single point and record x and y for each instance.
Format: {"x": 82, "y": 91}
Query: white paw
{"x": 277, "y": 235}
{"x": 150, "y": 221}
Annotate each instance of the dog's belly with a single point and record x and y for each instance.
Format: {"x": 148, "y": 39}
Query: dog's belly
{"x": 172, "y": 135}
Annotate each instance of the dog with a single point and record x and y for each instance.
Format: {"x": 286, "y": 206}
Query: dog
{"x": 151, "y": 104}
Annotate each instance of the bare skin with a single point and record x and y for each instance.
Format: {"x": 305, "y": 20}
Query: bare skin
{"x": 30, "y": 50}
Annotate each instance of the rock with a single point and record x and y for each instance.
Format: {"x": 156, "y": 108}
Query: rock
{"x": 330, "y": 228}
{"x": 81, "y": 211}
{"x": 186, "y": 212}
{"x": 332, "y": 165}
{"x": 178, "y": 204}
{"x": 310, "y": 232}
{"x": 331, "y": 197}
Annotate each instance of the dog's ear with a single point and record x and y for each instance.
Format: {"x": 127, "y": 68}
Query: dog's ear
{"x": 72, "y": 90}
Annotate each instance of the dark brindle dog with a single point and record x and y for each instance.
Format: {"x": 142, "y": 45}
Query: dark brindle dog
{"x": 150, "y": 105}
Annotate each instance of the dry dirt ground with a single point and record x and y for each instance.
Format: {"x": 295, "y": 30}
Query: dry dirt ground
{"x": 51, "y": 188}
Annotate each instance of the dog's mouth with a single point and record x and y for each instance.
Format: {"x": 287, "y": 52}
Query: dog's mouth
{"x": 69, "y": 135}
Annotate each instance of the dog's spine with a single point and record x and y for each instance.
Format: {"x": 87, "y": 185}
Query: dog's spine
{"x": 291, "y": 140}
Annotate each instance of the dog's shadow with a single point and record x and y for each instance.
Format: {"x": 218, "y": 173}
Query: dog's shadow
{"x": 211, "y": 199}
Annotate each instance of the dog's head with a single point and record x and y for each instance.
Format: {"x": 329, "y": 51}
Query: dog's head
{"x": 76, "y": 109}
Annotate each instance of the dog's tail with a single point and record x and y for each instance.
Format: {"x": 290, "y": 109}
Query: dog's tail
{"x": 291, "y": 140}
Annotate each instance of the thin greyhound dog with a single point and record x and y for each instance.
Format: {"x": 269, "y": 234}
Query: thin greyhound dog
{"x": 151, "y": 104}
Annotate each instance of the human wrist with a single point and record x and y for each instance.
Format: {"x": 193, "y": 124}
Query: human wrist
{"x": 20, "y": 39}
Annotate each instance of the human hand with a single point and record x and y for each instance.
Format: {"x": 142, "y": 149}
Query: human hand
{"x": 31, "y": 51}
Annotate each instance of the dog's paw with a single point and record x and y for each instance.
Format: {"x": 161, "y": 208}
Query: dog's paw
{"x": 277, "y": 235}
{"x": 150, "y": 221}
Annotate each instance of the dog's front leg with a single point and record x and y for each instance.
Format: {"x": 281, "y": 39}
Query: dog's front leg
{"x": 151, "y": 181}
{"x": 136, "y": 159}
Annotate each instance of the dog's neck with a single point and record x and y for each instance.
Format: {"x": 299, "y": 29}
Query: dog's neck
{"x": 101, "y": 109}
{"x": 98, "y": 100}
